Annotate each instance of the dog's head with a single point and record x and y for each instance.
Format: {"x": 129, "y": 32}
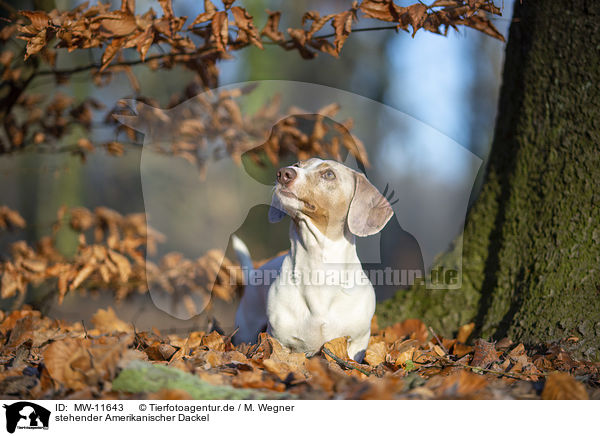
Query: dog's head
{"x": 330, "y": 195}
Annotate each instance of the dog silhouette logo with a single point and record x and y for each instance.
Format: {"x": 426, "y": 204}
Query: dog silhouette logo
{"x": 427, "y": 176}
{"x": 26, "y": 415}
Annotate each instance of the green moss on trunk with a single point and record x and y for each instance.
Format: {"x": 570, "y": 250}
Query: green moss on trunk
{"x": 531, "y": 254}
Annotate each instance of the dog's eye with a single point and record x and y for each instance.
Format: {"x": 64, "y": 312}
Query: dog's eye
{"x": 297, "y": 165}
{"x": 328, "y": 175}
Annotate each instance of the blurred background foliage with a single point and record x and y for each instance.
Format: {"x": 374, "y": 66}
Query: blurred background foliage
{"x": 449, "y": 83}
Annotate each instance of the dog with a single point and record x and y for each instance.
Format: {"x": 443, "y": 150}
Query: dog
{"x": 319, "y": 290}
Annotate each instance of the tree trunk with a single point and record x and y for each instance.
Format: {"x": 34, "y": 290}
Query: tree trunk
{"x": 531, "y": 252}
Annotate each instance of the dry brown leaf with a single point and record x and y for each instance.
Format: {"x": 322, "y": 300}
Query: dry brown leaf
{"x": 385, "y": 10}
{"x": 12, "y": 281}
{"x": 9, "y": 322}
{"x": 543, "y": 364}
{"x": 439, "y": 350}
{"x": 563, "y": 386}
{"x": 519, "y": 350}
{"x": 213, "y": 341}
{"x": 258, "y": 380}
{"x": 464, "y": 332}
{"x": 116, "y": 23}
{"x": 107, "y": 322}
{"x": 262, "y": 349}
{"x": 342, "y": 23}
{"x": 503, "y": 344}
{"x": 67, "y": 362}
{"x": 39, "y": 19}
{"x": 461, "y": 384}
{"x": 376, "y": 353}
{"x": 404, "y": 354}
{"x": 337, "y": 346}
{"x": 243, "y": 20}
{"x": 319, "y": 374}
{"x": 79, "y": 363}
{"x": 282, "y": 354}
{"x": 11, "y": 217}
{"x": 484, "y": 354}
{"x": 282, "y": 369}
{"x": 167, "y": 7}
{"x": 82, "y": 274}
{"x": 143, "y": 42}
{"x": 220, "y": 30}
{"x": 271, "y": 29}
{"x": 111, "y": 51}
{"x": 160, "y": 352}
{"x": 483, "y": 24}
{"x": 214, "y": 358}
{"x": 282, "y": 362}
{"x": 461, "y": 350}
{"x": 374, "y": 325}
{"x": 416, "y": 16}
{"x": 122, "y": 264}
{"x": 412, "y": 328}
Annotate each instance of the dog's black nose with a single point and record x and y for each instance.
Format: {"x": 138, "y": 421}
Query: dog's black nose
{"x": 286, "y": 175}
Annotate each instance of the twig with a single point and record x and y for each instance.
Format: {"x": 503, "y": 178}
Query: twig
{"x": 360, "y": 29}
{"x": 82, "y": 68}
{"x": 438, "y": 340}
{"x": 344, "y": 364}
{"x": 84, "y": 329}
{"x": 230, "y": 336}
{"x": 491, "y": 371}
{"x": 9, "y": 101}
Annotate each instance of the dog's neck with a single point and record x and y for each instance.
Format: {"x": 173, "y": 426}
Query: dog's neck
{"x": 310, "y": 247}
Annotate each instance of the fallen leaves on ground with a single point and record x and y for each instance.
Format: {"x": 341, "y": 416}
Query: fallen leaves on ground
{"x": 46, "y": 358}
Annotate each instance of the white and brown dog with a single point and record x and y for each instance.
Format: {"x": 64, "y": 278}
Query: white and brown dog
{"x": 311, "y": 301}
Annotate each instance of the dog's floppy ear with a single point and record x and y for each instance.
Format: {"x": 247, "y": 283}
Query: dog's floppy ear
{"x": 276, "y": 212}
{"x": 369, "y": 211}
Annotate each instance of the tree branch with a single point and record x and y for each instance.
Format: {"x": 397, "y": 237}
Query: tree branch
{"x": 91, "y": 66}
{"x": 139, "y": 61}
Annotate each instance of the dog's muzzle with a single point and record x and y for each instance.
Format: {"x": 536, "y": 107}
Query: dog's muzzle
{"x": 286, "y": 175}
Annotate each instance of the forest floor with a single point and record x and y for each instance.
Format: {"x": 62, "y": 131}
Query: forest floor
{"x": 44, "y": 358}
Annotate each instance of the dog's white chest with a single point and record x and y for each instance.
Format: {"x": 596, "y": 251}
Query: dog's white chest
{"x": 303, "y": 316}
